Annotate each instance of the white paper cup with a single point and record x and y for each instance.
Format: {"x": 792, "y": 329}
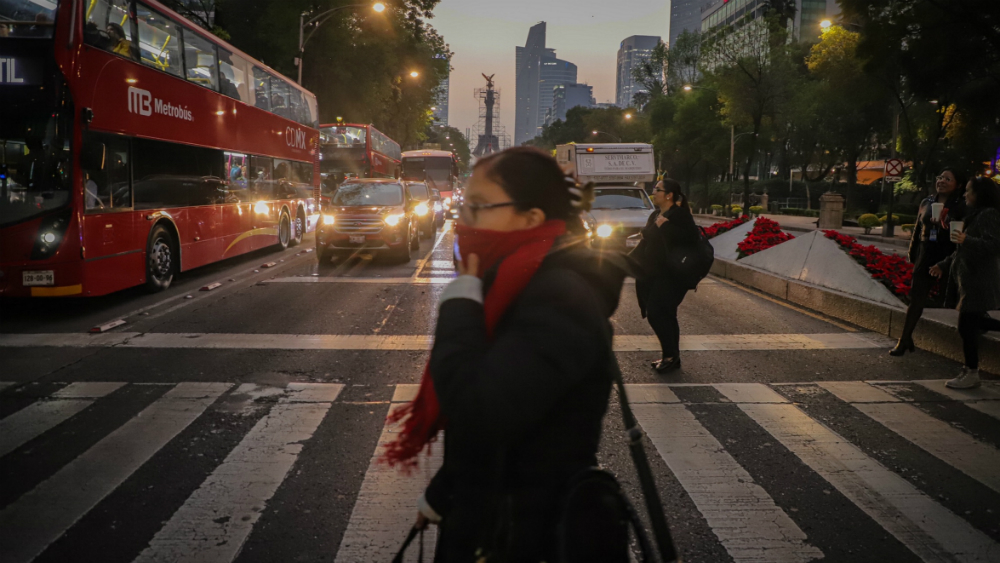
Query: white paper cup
{"x": 936, "y": 209}
{"x": 956, "y": 227}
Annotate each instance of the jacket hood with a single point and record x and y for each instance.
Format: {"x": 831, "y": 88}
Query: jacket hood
{"x": 604, "y": 270}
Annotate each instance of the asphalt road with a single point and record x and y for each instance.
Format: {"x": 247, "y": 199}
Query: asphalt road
{"x": 242, "y": 424}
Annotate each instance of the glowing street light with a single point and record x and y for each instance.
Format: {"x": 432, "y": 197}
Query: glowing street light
{"x": 628, "y": 116}
{"x": 379, "y": 7}
{"x": 414, "y": 74}
{"x": 826, "y": 24}
{"x": 688, "y": 88}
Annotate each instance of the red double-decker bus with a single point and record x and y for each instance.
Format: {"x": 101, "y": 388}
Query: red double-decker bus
{"x": 350, "y": 150}
{"x": 135, "y": 146}
{"x": 438, "y": 168}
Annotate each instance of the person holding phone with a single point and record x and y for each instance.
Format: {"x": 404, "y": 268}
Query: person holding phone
{"x": 973, "y": 273}
{"x": 670, "y": 226}
{"x": 929, "y": 244}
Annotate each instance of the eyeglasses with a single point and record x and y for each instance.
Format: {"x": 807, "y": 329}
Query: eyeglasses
{"x": 470, "y": 211}
{"x": 659, "y": 190}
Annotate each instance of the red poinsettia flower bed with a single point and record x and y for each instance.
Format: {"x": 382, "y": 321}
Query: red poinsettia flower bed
{"x": 765, "y": 234}
{"x": 895, "y": 272}
{"x": 719, "y": 228}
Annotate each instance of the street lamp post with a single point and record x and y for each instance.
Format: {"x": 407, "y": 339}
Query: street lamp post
{"x": 617, "y": 139}
{"x": 377, "y": 7}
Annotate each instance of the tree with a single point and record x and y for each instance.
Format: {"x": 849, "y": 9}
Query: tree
{"x": 581, "y": 122}
{"x": 689, "y": 134}
{"x": 450, "y": 138}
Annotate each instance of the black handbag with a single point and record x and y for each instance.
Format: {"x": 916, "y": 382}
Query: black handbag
{"x": 691, "y": 263}
{"x": 595, "y": 514}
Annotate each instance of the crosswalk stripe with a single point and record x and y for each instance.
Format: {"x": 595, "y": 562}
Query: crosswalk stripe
{"x": 640, "y": 393}
{"x": 952, "y": 446}
{"x": 37, "y": 418}
{"x": 39, "y": 517}
{"x": 740, "y": 512}
{"x": 983, "y": 399}
{"x": 928, "y": 529}
{"x": 387, "y": 505}
{"x": 749, "y": 393}
{"x": 215, "y": 521}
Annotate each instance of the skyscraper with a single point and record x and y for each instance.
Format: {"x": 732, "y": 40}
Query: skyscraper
{"x": 632, "y": 52}
{"x": 440, "y": 110}
{"x": 568, "y": 96}
{"x": 528, "y": 74}
{"x": 685, "y": 15}
{"x": 554, "y": 72}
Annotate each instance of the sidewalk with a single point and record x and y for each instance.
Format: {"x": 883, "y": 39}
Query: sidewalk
{"x": 806, "y": 224}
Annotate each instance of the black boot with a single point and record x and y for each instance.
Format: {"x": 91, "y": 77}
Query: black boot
{"x": 902, "y": 348}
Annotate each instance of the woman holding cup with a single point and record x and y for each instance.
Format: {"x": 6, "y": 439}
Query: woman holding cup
{"x": 974, "y": 274}
{"x": 929, "y": 244}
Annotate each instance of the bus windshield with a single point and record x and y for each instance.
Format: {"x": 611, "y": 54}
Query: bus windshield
{"x": 436, "y": 168}
{"x": 28, "y": 18}
{"x": 343, "y": 136}
{"x": 34, "y": 151}
{"x": 369, "y": 194}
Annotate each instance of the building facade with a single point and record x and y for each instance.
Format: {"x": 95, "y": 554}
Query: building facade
{"x": 566, "y": 97}
{"x": 528, "y": 64}
{"x": 440, "y": 111}
{"x": 722, "y": 17}
{"x": 685, "y": 15}
{"x": 632, "y": 52}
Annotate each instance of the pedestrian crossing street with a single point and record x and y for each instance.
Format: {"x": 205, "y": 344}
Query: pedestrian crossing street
{"x": 918, "y": 463}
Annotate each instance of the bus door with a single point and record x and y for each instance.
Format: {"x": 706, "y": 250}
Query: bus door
{"x": 238, "y": 208}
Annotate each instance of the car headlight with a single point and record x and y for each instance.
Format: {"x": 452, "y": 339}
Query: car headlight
{"x": 447, "y": 201}
{"x": 604, "y": 231}
{"x": 421, "y": 209}
{"x": 392, "y": 220}
{"x": 328, "y": 219}
{"x": 261, "y": 208}
{"x": 437, "y": 206}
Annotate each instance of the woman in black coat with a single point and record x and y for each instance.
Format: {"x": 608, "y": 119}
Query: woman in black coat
{"x": 670, "y": 227}
{"x": 519, "y": 367}
{"x": 974, "y": 274}
{"x": 929, "y": 244}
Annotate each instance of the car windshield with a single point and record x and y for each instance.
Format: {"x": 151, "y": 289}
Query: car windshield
{"x": 28, "y": 18}
{"x": 418, "y": 191}
{"x": 624, "y": 198}
{"x": 369, "y": 194}
{"x": 34, "y": 144}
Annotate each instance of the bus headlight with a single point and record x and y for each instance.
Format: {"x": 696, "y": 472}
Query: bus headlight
{"x": 392, "y": 220}
{"x": 604, "y": 231}
{"x": 49, "y": 238}
{"x": 328, "y": 219}
{"x": 261, "y": 208}
{"x": 421, "y": 209}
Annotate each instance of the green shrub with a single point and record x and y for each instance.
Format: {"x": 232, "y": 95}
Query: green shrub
{"x": 736, "y": 209}
{"x": 716, "y": 207}
{"x": 895, "y": 219}
{"x": 756, "y": 209}
{"x": 869, "y": 221}
{"x": 907, "y": 228}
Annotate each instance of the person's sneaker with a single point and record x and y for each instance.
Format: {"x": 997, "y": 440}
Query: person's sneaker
{"x": 968, "y": 379}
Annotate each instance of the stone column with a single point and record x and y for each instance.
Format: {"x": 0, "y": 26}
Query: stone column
{"x": 831, "y": 211}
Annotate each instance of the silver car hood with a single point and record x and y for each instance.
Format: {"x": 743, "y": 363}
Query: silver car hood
{"x": 623, "y": 217}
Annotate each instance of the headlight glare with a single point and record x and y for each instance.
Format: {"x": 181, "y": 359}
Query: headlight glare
{"x": 328, "y": 219}
{"x": 48, "y": 238}
{"x": 604, "y": 231}
{"x": 421, "y": 209}
{"x": 261, "y": 208}
{"x": 392, "y": 220}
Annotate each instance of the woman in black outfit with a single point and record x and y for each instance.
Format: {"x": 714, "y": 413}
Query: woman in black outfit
{"x": 974, "y": 275}
{"x": 659, "y": 292}
{"x": 519, "y": 367}
{"x": 929, "y": 244}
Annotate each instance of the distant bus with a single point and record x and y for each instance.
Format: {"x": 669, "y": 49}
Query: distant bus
{"x": 438, "y": 168}
{"x": 349, "y": 150}
{"x": 135, "y": 145}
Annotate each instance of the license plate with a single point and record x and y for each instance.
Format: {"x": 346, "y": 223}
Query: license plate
{"x": 357, "y": 239}
{"x": 41, "y": 277}
{"x": 631, "y": 243}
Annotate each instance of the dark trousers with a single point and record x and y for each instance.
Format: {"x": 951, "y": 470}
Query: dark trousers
{"x": 920, "y": 289}
{"x": 662, "y": 301}
{"x": 970, "y": 324}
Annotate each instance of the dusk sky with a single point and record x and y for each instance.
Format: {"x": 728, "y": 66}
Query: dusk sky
{"x": 484, "y": 33}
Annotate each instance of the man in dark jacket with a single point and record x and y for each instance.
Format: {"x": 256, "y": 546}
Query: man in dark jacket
{"x": 660, "y": 293}
{"x": 524, "y": 407}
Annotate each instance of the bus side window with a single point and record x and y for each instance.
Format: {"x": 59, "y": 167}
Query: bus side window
{"x": 262, "y": 89}
{"x": 233, "y": 79}
{"x": 159, "y": 41}
{"x": 108, "y": 27}
{"x": 261, "y": 178}
{"x": 106, "y": 187}
{"x": 199, "y": 60}
{"x": 280, "y": 102}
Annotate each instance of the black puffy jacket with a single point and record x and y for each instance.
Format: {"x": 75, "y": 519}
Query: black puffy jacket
{"x": 524, "y": 410}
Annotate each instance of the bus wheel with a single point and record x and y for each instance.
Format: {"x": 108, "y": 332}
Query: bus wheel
{"x": 300, "y": 227}
{"x": 284, "y": 230}
{"x": 161, "y": 259}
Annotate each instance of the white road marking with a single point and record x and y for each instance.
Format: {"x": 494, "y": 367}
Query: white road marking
{"x": 942, "y": 440}
{"x": 375, "y": 281}
{"x": 641, "y": 393}
{"x": 386, "y": 506}
{"x": 44, "y": 415}
{"x": 405, "y": 392}
{"x": 749, "y": 393}
{"x": 928, "y": 529}
{"x": 857, "y": 392}
{"x": 739, "y": 511}
{"x": 32, "y": 522}
{"x": 445, "y": 229}
{"x": 622, "y": 343}
{"x": 215, "y": 521}
{"x": 983, "y": 399}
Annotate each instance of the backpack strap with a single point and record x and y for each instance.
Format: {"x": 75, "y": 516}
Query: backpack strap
{"x": 667, "y": 550}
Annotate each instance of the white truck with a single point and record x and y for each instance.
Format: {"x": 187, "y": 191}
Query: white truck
{"x": 619, "y": 170}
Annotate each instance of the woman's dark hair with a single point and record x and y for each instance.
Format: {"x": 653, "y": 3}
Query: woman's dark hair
{"x": 961, "y": 178}
{"x": 534, "y": 179}
{"x": 117, "y": 31}
{"x": 987, "y": 192}
{"x": 673, "y": 187}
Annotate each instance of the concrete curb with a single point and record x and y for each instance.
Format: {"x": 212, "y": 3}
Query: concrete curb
{"x": 933, "y": 335}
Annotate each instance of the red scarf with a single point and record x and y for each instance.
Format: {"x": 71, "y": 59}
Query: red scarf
{"x": 519, "y": 254}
